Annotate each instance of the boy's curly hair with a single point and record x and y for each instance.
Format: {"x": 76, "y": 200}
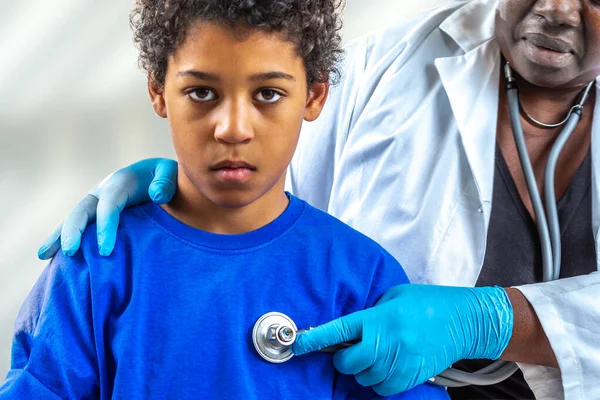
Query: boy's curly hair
{"x": 160, "y": 26}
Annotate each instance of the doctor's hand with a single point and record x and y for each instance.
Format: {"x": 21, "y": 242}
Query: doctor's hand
{"x": 152, "y": 179}
{"x": 414, "y": 332}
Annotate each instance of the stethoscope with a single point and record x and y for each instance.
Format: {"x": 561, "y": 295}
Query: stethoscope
{"x": 274, "y": 332}
{"x": 273, "y": 335}
{"x": 546, "y": 218}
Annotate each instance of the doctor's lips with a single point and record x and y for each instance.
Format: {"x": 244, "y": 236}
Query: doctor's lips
{"x": 549, "y": 43}
{"x": 232, "y": 170}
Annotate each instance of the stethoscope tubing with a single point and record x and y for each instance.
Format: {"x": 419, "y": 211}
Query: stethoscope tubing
{"x": 546, "y": 219}
{"x": 548, "y": 226}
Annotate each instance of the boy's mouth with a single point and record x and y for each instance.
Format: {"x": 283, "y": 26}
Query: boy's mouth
{"x": 231, "y": 164}
{"x": 233, "y": 171}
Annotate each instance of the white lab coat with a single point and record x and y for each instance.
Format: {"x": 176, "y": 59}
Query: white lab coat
{"x": 404, "y": 152}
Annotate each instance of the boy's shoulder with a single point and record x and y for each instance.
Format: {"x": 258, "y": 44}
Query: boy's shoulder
{"x": 134, "y": 225}
{"x": 135, "y": 244}
{"x": 328, "y": 228}
{"x": 350, "y": 255}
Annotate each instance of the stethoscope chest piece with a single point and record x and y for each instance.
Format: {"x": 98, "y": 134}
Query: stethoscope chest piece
{"x": 273, "y": 335}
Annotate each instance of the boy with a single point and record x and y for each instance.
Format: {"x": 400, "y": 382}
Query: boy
{"x": 169, "y": 314}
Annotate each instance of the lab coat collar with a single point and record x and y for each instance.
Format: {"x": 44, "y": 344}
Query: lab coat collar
{"x": 474, "y": 105}
{"x": 471, "y": 25}
{"x": 475, "y": 108}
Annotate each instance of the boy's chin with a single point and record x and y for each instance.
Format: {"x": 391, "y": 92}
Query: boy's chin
{"x": 234, "y": 198}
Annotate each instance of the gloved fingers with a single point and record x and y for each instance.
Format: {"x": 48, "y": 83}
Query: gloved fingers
{"x": 424, "y": 391}
{"x": 371, "y": 376}
{"x": 344, "y": 329}
{"x": 387, "y": 361}
{"x": 51, "y": 246}
{"x": 390, "y": 387}
{"x": 164, "y": 185}
{"x": 112, "y": 202}
{"x": 75, "y": 224}
{"x": 355, "y": 359}
{"x": 397, "y": 373}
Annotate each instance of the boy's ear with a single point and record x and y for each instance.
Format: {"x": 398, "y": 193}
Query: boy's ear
{"x": 317, "y": 95}
{"x": 157, "y": 97}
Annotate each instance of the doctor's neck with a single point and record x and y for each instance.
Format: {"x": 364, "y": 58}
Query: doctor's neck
{"x": 548, "y": 104}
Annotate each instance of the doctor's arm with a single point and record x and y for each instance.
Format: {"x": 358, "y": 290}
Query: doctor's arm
{"x": 528, "y": 343}
{"x": 568, "y": 310}
{"x": 417, "y": 331}
{"x": 414, "y": 332}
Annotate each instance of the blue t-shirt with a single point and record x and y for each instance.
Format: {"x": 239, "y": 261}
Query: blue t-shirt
{"x": 169, "y": 314}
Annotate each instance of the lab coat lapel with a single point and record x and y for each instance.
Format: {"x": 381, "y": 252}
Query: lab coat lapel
{"x": 471, "y": 83}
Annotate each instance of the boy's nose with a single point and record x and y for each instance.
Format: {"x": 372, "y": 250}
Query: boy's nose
{"x": 233, "y": 124}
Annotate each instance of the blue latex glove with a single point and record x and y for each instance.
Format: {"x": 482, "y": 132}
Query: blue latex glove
{"x": 152, "y": 179}
{"x": 414, "y": 332}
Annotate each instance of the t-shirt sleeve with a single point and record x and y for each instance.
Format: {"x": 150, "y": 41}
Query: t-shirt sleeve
{"x": 53, "y": 351}
{"x": 388, "y": 273}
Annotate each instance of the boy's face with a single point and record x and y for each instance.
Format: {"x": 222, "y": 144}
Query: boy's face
{"x": 235, "y": 107}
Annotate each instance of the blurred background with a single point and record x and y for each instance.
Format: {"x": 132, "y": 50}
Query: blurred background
{"x": 73, "y": 108}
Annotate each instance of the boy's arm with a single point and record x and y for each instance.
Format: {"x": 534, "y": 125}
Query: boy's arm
{"x": 386, "y": 274}
{"x": 53, "y": 354}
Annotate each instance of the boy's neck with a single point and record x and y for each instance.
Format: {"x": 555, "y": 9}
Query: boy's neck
{"x": 194, "y": 209}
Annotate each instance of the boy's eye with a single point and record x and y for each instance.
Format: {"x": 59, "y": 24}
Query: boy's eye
{"x": 202, "y": 94}
{"x": 268, "y": 96}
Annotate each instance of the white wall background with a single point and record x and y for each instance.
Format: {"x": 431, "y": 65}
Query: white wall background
{"x": 73, "y": 108}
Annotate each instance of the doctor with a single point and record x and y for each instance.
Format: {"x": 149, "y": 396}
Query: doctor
{"x": 416, "y": 150}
